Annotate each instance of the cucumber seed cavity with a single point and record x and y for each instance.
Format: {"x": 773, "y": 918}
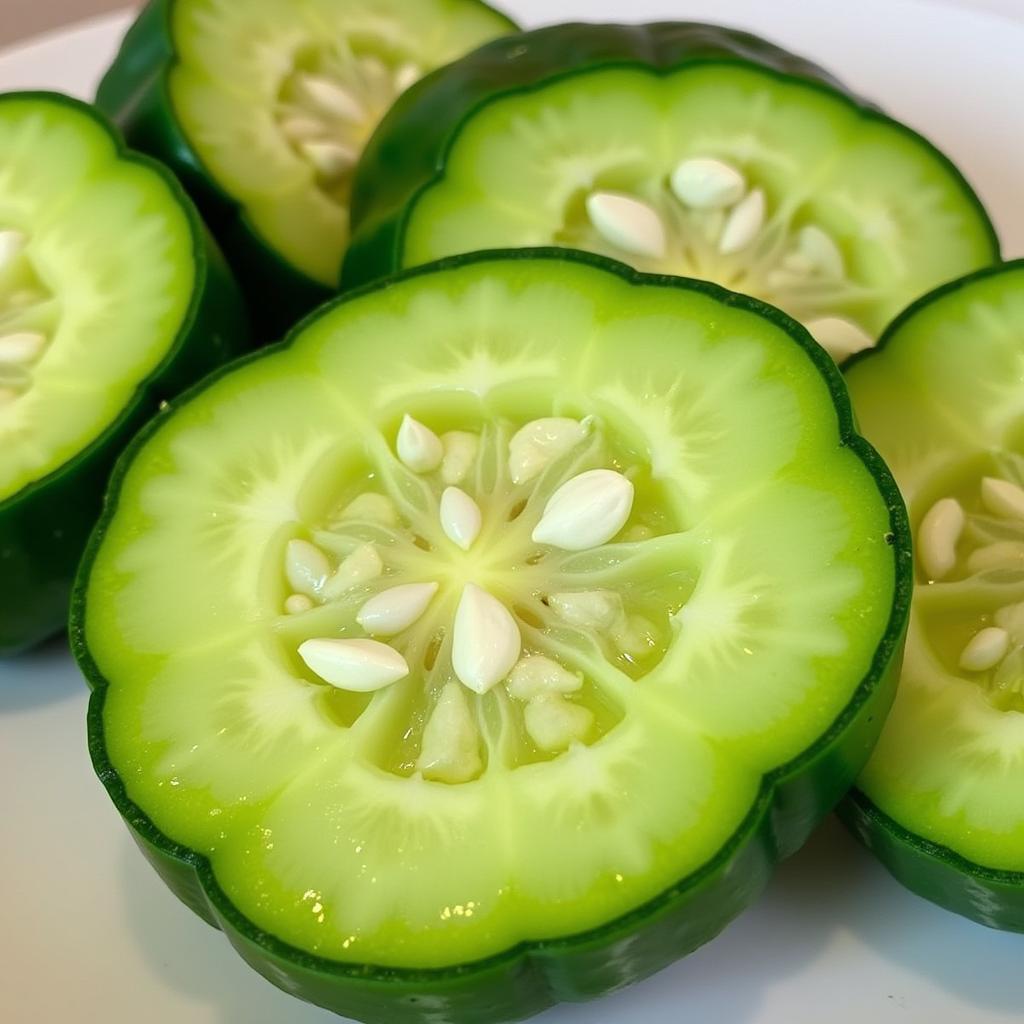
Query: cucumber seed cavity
{"x": 26, "y": 317}
{"x": 329, "y": 107}
{"x": 973, "y": 557}
{"x": 461, "y": 585}
{"x": 708, "y": 222}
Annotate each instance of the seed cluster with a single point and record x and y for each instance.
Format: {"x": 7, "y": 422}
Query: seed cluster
{"x": 711, "y": 223}
{"x": 483, "y": 632}
{"x": 985, "y": 548}
{"x": 327, "y": 115}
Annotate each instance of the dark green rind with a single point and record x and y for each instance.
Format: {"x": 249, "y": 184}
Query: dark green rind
{"x": 135, "y": 93}
{"x": 990, "y": 897}
{"x": 408, "y": 153}
{"x": 533, "y": 976}
{"x": 45, "y": 526}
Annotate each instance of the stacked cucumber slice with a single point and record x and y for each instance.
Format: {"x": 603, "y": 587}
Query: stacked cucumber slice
{"x": 942, "y": 800}
{"x": 263, "y": 108}
{"x": 443, "y": 677}
{"x": 487, "y": 643}
{"x": 92, "y": 334}
{"x": 682, "y": 149}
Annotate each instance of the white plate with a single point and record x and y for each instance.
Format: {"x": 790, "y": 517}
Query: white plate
{"x": 89, "y": 935}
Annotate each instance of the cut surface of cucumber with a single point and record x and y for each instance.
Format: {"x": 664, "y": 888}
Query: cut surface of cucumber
{"x": 680, "y": 148}
{"x": 92, "y": 333}
{"x": 942, "y": 799}
{"x": 264, "y": 107}
{"x": 456, "y": 678}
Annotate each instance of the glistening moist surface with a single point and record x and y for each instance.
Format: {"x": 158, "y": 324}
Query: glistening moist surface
{"x": 434, "y": 649}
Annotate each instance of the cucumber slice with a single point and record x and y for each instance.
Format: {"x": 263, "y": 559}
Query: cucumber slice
{"x": 440, "y": 676}
{"x": 684, "y": 149}
{"x": 264, "y": 107}
{"x": 942, "y": 799}
{"x": 92, "y": 335}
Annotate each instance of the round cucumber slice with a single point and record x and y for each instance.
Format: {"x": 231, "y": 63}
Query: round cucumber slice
{"x": 264, "y": 107}
{"x": 684, "y": 149}
{"x": 92, "y": 335}
{"x": 458, "y": 677}
{"x": 942, "y": 799}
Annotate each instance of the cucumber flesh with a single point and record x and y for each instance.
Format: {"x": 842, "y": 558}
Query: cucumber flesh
{"x": 278, "y": 98}
{"x": 82, "y": 322}
{"x": 950, "y": 764}
{"x": 723, "y": 170}
{"x": 574, "y": 731}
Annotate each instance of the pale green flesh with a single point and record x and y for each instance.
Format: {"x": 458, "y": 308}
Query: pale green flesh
{"x": 520, "y": 168}
{"x": 945, "y": 407}
{"x": 768, "y": 547}
{"x": 107, "y": 314}
{"x": 233, "y": 89}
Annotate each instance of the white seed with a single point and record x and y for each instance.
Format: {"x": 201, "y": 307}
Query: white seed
{"x": 587, "y": 609}
{"x": 331, "y": 98}
{"x": 536, "y": 675}
{"x": 297, "y": 604}
{"x": 635, "y": 637}
{"x": 554, "y": 723}
{"x": 302, "y": 129}
{"x": 22, "y": 299}
{"x": 628, "y": 224}
{"x": 11, "y": 244}
{"x": 534, "y": 447}
{"x": 707, "y": 184}
{"x": 358, "y": 665}
{"x": 1011, "y": 618}
{"x": 21, "y": 348}
{"x": 460, "y": 451}
{"x": 363, "y": 565}
{"x": 407, "y": 76}
{"x": 938, "y": 536}
{"x": 419, "y": 448}
{"x": 306, "y": 567}
{"x": 985, "y": 650}
{"x": 396, "y": 609}
{"x": 820, "y": 251}
{"x": 375, "y": 73}
{"x": 1005, "y": 554}
{"x": 1000, "y": 497}
{"x": 486, "y": 641}
{"x": 587, "y": 511}
{"x": 450, "y": 750}
{"x": 840, "y": 338}
{"x": 744, "y": 223}
{"x": 372, "y": 508}
{"x": 1010, "y": 673}
{"x": 331, "y": 159}
{"x": 461, "y": 518}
